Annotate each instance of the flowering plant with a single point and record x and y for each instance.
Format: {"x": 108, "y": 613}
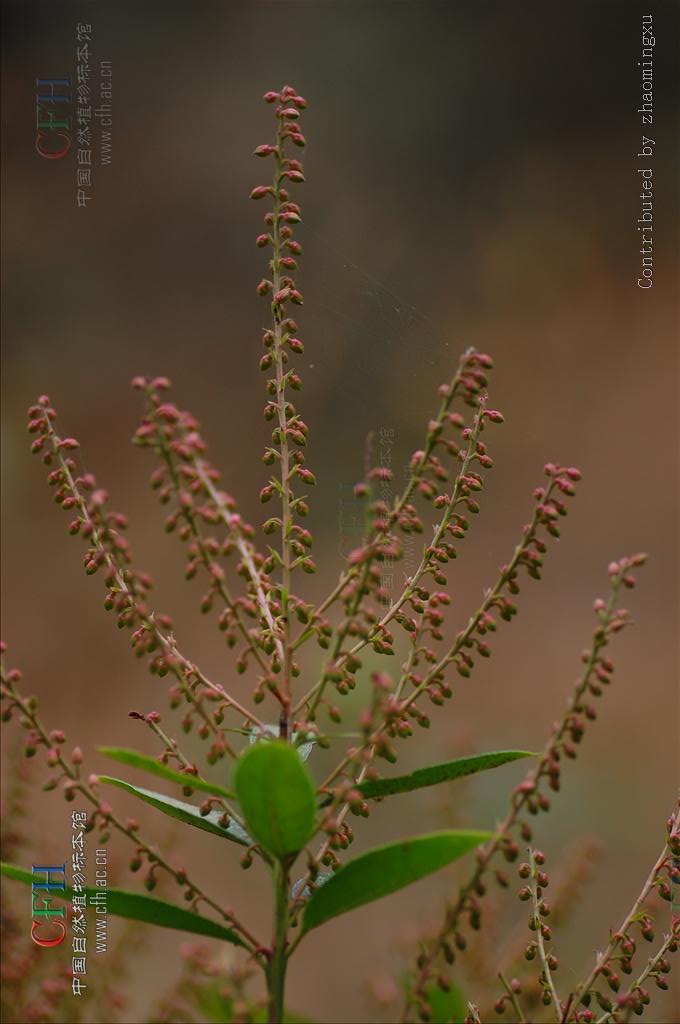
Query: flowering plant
{"x": 295, "y": 827}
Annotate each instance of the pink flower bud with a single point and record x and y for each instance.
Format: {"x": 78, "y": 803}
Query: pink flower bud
{"x": 271, "y": 97}
{"x": 262, "y": 240}
{"x": 264, "y": 150}
{"x": 260, "y": 191}
{"x": 168, "y": 412}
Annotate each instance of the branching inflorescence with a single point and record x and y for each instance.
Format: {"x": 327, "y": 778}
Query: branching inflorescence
{"x": 277, "y": 813}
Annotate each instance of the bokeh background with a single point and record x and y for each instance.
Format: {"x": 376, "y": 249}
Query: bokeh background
{"x": 471, "y": 181}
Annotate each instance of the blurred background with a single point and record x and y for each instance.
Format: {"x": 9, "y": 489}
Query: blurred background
{"x": 471, "y": 180}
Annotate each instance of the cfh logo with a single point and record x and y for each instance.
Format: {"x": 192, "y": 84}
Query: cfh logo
{"x": 53, "y": 121}
{"x": 45, "y": 917}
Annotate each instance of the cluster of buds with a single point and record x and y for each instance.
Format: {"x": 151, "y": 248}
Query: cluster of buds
{"x": 188, "y": 484}
{"x": 65, "y": 765}
{"x": 107, "y": 548}
{"x": 530, "y": 797}
{"x": 127, "y": 588}
{"x": 528, "y": 556}
{"x": 289, "y": 436}
{"x": 281, "y": 339}
{"x": 598, "y": 669}
{"x": 535, "y": 881}
{"x": 618, "y": 957}
{"x": 367, "y": 623}
{"x": 428, "y": 477}
{"x": 392, "y": 710}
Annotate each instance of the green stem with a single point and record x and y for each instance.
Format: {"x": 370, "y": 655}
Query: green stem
{"x": 276, "y": 974}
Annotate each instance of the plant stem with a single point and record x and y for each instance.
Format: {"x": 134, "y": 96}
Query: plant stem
{"x": 520, "y": 798}
{"x": 542, "y": 951}
{"x": 276, "y": 974}
{"x": 513, "y": 998}
{"x": 603, "y": 959}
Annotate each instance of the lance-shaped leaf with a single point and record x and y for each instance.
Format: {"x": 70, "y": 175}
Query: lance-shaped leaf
{"x": 184, "y": 812}
{"x": 436, "y": 773}
{"x": 384, "y": 870}
{"x": 277, "y": 797}
{"x": 149, "y": 764}
{"x": 138, "y": 907}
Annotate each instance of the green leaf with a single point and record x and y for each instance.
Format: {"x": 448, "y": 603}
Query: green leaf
{"x": 138, "y": 907}
{"x": 384, "y": 870}
{"x": 437, "y": 773}
{"x": 187, "y": 813}
{"x": 154, "y": 767}
{"x": 277, "y": 797}
{"x": 447, "y": 1007}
